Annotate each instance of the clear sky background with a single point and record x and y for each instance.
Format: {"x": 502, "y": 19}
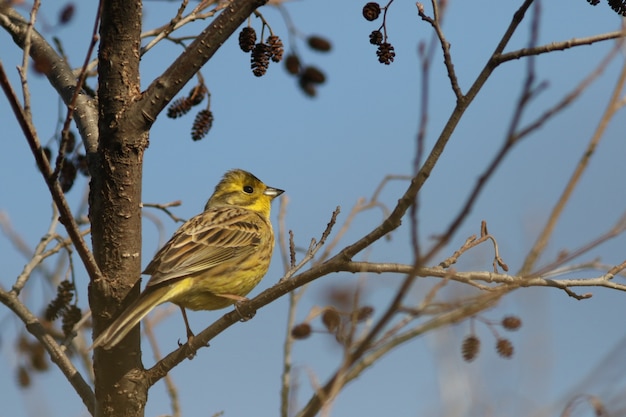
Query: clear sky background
{"x": 335, "y": 149}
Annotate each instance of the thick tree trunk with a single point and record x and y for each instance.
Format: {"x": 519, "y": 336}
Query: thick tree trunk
{"x": 115, "y": 208}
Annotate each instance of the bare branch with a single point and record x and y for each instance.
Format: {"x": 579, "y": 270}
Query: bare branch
{"x": 445, "y": 46}
{"x": 71, "y": 106}
{"x": 54, "y": 187}
{"x": 557, "y": 46}
{"x": 569, "y": 98}
{"x": 164, "y": 88}
{"x": 57, "y": 71}
{"x": 38, "y": 256}
{"x": 57, "y": 353}
{"x": 314, "y": 247}
{"x": 23, "y": 70}
{"x": 542, "y": 240}
{"x": 165, "y": 208}
{"x": 512, "y": 281}
{"x": 349, "y": 371}
{"x": 179, "y": 21}
{"x": 618, "y": 228}
{"x": 172, "y": 391}
{"x": 282, "y": 230}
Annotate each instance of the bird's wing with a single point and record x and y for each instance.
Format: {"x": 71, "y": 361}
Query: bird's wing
{"x": 217, "y": 235}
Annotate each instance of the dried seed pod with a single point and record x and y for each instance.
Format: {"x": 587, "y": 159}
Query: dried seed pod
{"x": 618, "y": 6}
{"x": 260, "y": 59}
{"x": 67, "y": 13}
{"x": 80, "y": 161}
{"x": 319, "y": 43}
{"x": 364, "y": 313}
{"x": 71, "y": 316}
{"x": 197, "y": 94}
{"x": 276, "y": 48}
{"x": 42, "y": 65}
{"x": 179, "y": 107}
{"x": 67, "y": 175}
{"x": 247, "y": 39}
{"x": 38, "y": 357}
{"x": 385, "y": 53}
{"x": 23, "y": 377}
{"x": 504, "y": 347}
{"x": 202, "y": 124}
{"x": 371, "y": 11}
{"x": 331, "y": 320}
{"x": 313, "y": 75}
{"x": 511, "y": 322}
{"x": 65, "y": 294}
{"x": 292, "y": 64}
{"x": 376, "y": 37}
{"x": 470, "y": 348}
{"x": 307, "y": 87}
{"x": 301, "y": 331}
{"x": 70, "y": 144}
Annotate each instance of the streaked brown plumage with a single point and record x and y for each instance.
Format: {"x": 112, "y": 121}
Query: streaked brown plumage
{"x": 213, "y": 260}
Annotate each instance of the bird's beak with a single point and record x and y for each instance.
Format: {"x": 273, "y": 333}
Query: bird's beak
{"x": 273, "y": 192}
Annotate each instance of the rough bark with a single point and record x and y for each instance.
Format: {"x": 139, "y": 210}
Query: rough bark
{"x": 115, "y": 208}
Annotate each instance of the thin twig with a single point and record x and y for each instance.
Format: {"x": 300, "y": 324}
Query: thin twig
{"x": 294, "y": 297}
{"x": 614, "y": 271}
{"x": 282, "y": 230}
{"x": 171, "y": 389}
{"x": 38, "y": 255}
{"x": 357, "y": 208}
{"x": 569, "y": 98}
{"x": 525, "y": 96}
{"x": 487, "y": 277}
{"x": 179, "y": 21}
{"x": 58, "y": 72}
{"x": 18, "y": 242}
{"x": 71, "y": 106}
{"x": 57, "y": 353}
{"x": 165, "y": 208}
{"x": 23, "y": 70}
{"x": 164, "y": 31}
{"x": 445, "y": 46}
{"x": 66, "y": 217}
{"x": 361, "y": 206}
{"x": 507, "y": 283}
{"x": 345, "y": 375}
{"x": 557, "y": 46}
{"x": 314, "y": 247}
{"x": 618, "y": 228}
{"x": 544, "y": 237}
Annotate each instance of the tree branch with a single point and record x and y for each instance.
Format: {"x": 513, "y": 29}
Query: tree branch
{"x": 58, "y": 73}
{"x": 145, "y": 111}
{"x": 557, "y": 46}
{"x": 66, "y": 217}
{"x": 613, "y": 106}
{"x": 57, "y": 353}
{"x": 496, "y": 283}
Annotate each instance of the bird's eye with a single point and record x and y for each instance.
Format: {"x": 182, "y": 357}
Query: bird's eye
{"x": 248, "y": 189}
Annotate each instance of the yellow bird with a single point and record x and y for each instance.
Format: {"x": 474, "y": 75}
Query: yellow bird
{"x": 213, "y": 260}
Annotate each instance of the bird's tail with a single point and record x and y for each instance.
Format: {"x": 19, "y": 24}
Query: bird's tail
{"x": 117, "y": 330}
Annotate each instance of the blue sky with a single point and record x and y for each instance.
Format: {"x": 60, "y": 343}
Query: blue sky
{"x": 334, "y": 149}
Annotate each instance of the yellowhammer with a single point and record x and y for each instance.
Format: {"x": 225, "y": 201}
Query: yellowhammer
{"x": 213, "y": 260}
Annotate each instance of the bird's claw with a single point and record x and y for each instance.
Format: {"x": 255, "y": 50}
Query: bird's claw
{"x": 243, "y": 316}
